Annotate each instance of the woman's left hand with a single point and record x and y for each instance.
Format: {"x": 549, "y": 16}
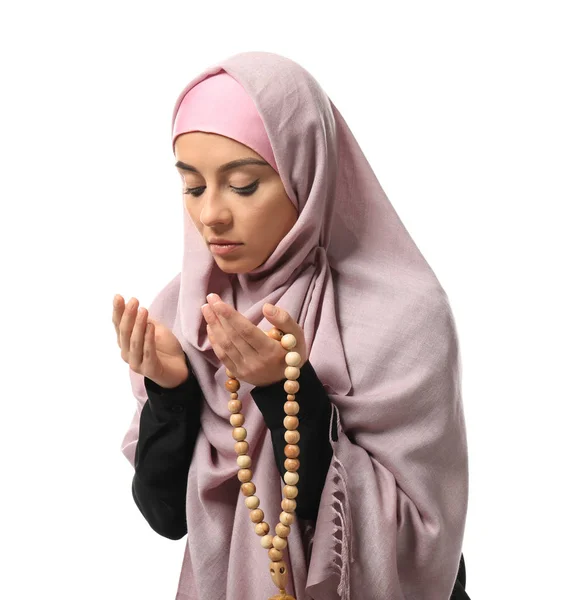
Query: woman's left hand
{"x": 245, "y": 349}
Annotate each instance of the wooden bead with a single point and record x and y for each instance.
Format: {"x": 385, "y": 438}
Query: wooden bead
{"x": 239, "y": 434}
{"x": 291, "y": 408}
{"x": 245, "y": 475}
{"x": 252, "y": 502}
{"x": 275, "y": 554}
{"x": 291, "y": 397}
{"x": 230, "y": 374}
{"x": 279, "y": 543}
{"x": 248, "y": 489}
{"x": 288, "y": 505}
{"x": 292, "y": 373}
{"x": 267, "y": 541}
{"x": 291, "y": 387}
{"x": 291, "y": 478}
{"x": 262, "y": 528}
{"x": 288, "y": 341}
{"x": 291, "y": 464}
{"x": 244, "y": 461}
{"x": 293, "y": 359}
{"x": 292, "y": 437}
{"x": 279, "y": 573}
{"x": 232, "y": 385}
{"x": 233, "y": 396}
{"x": 257, "y": 515}
{"x": 241, "y": 447}
{"x": 287, "y": 518}
{"x": 235, "y": 406}
{"x": 282, "y": 530}
{"x": 275, "y": 334}
{"x": 237, "y": 420}
{"x": 291, "y": 451}
{"x": 291, "y": 422}
{"x": 290, "y": 491}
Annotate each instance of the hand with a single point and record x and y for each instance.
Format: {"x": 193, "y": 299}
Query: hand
{"x": 154, "y": 352}
{"x": 245, "y": 349}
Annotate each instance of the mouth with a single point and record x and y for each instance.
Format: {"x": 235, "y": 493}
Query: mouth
{"x": 224, "y": 248}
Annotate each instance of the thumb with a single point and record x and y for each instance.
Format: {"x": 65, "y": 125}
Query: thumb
{"x": 276, "y": 315}
{"x": 281, "y": 319}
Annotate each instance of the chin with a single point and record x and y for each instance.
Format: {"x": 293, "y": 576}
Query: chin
{"x": 231, "y": 269}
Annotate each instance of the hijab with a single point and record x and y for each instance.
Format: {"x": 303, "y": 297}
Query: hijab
{"x": 382, "y": 339}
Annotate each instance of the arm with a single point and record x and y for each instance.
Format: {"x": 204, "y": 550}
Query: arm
{"x": 169, "y": 426}
{"x": 315, "y": 447}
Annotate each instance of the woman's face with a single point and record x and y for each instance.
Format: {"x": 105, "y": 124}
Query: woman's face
{"x": 245, "y": 204}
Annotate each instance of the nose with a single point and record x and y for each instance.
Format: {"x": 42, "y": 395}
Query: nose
{"x": 214, "y": 210}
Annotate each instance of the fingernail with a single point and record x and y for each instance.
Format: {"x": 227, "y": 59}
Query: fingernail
{"x": 270, "y": 310}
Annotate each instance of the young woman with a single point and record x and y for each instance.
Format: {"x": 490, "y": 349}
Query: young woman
{"x": 357, "y": 383}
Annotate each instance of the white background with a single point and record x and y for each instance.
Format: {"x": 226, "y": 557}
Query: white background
{"x": 464, "y": 110}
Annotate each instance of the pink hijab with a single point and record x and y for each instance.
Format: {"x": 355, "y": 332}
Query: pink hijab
{"x": 382, "y": 339}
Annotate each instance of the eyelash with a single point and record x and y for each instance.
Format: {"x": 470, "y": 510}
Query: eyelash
{"x": 243, "y": 191}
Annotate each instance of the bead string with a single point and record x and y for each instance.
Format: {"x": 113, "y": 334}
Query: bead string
{"x": 275, "y": 545}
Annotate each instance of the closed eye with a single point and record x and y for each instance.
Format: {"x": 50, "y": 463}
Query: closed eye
{"x": 242, "y": 191}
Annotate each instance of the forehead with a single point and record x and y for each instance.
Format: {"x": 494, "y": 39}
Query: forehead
{"x": 196, "y": 150}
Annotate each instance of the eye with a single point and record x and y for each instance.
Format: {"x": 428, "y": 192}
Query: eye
{"x": 194, "y": 191}
{"x": 248, "y": 190}
{"x": 282, "y": 570}
{"x": 242, "y": 191}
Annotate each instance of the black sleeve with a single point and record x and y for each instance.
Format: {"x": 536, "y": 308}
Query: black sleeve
{"x": 458, "y": 592}
{"x": 315, "y": 448}
{"x": 169, "y": 427}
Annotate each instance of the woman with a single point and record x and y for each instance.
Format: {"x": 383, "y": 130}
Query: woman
{"x": 268, "y": 164}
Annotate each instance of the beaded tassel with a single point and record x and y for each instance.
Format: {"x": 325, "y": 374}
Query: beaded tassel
{"x": 274, "y": 544}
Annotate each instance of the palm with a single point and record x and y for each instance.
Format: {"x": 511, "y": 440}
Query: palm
{"x": 167, "y": 344}
{"x": 171, "y": 362}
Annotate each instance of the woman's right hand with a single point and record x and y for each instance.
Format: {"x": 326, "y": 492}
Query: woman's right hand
{"x": 156, "y": 352}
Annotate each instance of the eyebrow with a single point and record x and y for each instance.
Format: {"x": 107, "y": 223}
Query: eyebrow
{"x": 226, "y": 167}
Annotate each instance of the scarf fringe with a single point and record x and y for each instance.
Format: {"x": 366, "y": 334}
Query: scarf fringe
{"x": 343, "y": 528}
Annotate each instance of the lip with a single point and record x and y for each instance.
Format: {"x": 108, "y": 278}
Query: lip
{"x": 218, "y": 240}
{"x": 220, "y": 249}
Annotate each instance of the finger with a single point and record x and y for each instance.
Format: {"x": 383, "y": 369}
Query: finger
{"x": 242, "y": 333}
{"x": 149, "y": 355}
{"x": 221, "y": 338}
{"x": 286, "y": 323}
{"x": 118, "y": 304}
{"x": 220, "y": 353}
{"x": 282, "y": 319}
{"x": 126, "y": 326}
{"x": 137, "y": 340}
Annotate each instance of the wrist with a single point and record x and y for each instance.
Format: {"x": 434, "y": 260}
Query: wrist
{"x": 175, "y": 380}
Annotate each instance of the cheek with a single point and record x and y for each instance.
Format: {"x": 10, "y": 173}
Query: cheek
{"x": 284, "y": 216}
{"x": 270, "y": 231}
{"x": 273, "y": 217}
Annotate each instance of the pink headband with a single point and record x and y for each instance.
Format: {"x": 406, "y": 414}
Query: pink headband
{"x": 219, "y": 104}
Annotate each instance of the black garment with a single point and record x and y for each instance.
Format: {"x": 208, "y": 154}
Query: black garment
{"x": 459, "y": 592}
{"x": 169, "y": 426}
